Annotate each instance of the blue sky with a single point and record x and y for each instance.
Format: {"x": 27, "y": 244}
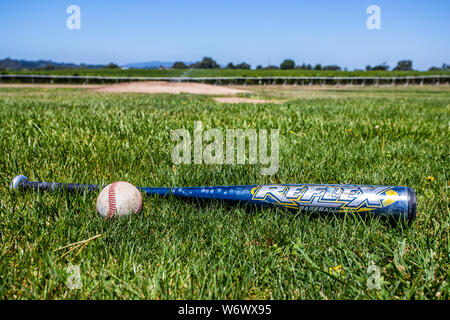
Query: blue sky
{"x": 258, "y": 32}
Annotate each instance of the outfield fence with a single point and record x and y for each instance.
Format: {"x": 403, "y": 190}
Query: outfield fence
{"x": 300, "y": 81}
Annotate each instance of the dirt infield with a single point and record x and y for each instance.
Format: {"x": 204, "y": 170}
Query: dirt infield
{"x": 169, "y": 87}
{"x": 244, "y": 100}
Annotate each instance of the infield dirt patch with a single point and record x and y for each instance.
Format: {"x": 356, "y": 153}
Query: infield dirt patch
{"x": 169, "y": 87}
{"x": 244, "y": 100}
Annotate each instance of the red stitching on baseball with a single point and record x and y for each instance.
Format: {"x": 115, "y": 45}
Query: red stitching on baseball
{"x": 112, "y": 199}
{"x": 139, "y": 207}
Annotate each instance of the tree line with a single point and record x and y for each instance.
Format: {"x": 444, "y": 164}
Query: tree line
{"x": 289, "y": 64}
{"x": 208, "y": 63}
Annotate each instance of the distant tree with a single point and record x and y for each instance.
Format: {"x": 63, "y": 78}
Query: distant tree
{"x": 368, "y": 68}
{"x": 381, "y": 67}
{"x": 111, "y": 66}
{"x": 318, "y": 67}
{"x": 332, "y": 68}
{"x": 404, "y": 65}
{"x": 49, "y": 67}
{"x": 179, "y": 65}
{"x": 445, "y": 67}
{"x": 10, "y": 64}
{"x": 259, "y": 67}
{"x": 287, "y": 64}
{"x": 243, "y": 65}
{"x": 231, "y": 66}
{"x": 304, "y": 67}
{"x": 206, "y": 63}
{"x": 271, "y": 67}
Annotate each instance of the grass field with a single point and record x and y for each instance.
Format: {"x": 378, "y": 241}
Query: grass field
{"x": 195, "y": 250}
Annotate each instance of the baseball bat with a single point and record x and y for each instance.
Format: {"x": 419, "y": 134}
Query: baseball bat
{"x": 389, "y": 201}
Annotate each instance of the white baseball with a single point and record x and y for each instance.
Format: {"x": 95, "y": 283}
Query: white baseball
{"x": 119, "y": 199}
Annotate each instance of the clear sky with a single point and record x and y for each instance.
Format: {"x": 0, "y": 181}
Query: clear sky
{"x": 257, "y": 32}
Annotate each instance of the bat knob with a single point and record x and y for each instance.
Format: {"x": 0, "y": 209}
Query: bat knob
{"x": 17, "y": 180}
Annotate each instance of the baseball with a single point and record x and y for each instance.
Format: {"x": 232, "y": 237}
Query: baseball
{"x": 119, "y": 199}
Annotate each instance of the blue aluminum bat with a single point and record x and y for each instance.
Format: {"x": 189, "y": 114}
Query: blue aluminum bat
{"x": 389, "y": 201}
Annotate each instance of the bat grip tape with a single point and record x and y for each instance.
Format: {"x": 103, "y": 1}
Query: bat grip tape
{"x": 23, "y": 183}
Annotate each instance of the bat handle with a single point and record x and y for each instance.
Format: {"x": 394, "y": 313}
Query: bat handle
{"x": 17, "y": 180}
{"x": 22, "y": 182}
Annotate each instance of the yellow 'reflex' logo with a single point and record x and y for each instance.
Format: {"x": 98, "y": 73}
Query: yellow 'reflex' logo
{"x": 330, "y": 198}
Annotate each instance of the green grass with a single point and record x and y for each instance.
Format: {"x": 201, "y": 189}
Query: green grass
{"x": 177, "y": 249}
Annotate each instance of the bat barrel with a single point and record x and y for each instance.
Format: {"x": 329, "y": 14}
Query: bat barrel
{"x": 388, "y": 201}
